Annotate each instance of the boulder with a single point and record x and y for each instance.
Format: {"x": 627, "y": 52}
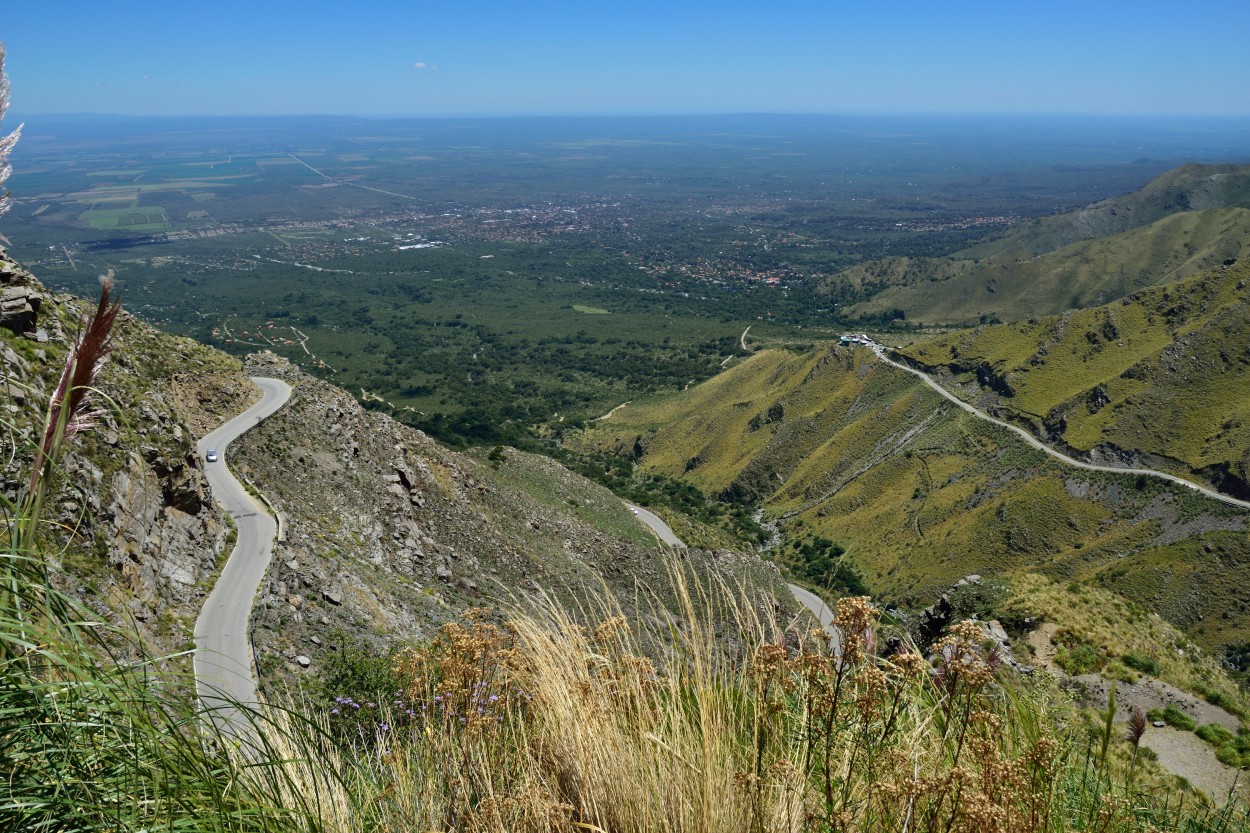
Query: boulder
{"x": 19, "y": 309}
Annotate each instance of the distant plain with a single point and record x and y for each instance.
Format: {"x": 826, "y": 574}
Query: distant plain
{"x": 491, "y": 280}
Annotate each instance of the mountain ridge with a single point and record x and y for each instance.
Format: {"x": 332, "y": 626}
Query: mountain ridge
{"x": 1190, "y": 219}
{"x": 834, "y": 444}
{"x": 1150, "y": 378}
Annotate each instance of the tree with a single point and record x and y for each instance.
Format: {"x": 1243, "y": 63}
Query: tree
{"x": 6, "y": 142}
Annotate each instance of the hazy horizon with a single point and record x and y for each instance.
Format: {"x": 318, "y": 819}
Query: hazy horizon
{"x": 388, "y": 59}
{"x": 16, "y": 115}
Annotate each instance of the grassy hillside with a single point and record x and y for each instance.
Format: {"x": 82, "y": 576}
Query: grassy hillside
{"x": 1187, "y": 188}
{"x": 1160, "y": 377}
{"x": 1082, "y": 274}
{"x": 1187, "y": 220}
{"x": 835, "y": 444}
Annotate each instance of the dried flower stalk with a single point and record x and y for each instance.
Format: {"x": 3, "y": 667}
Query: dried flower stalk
{"x": 6, "y": 142}
{"x": 70, "y": 410}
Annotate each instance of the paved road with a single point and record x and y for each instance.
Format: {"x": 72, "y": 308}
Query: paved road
{"x": 223, "y": 656}
{"x": 806, "y": 598}
{"x": 879, "y": 351}
{"x": 662, "y": 530}
{"x": 821, "y": 611}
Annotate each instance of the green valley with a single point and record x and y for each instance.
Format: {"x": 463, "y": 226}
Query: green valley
{"x": 690, "y": 418}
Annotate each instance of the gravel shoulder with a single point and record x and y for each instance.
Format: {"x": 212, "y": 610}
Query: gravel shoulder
{"x": 1185, "y": 754}
{"x": 1179, "y": 752}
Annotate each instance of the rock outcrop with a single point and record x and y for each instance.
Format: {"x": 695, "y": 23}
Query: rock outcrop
{"x": 20, "y": 299}
{"x": 133, "y": 530}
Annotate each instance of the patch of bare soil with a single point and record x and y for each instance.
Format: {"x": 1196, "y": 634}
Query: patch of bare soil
{"x": 1148, "y": 693}
{"x": 1185, "y": 754}
{"x": 1042, "y": 643}
{"x": 204, "y": 401}
{"x": 1179, "y": 752}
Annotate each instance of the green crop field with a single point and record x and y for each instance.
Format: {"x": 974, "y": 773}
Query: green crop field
{"x": 129, "y": 219}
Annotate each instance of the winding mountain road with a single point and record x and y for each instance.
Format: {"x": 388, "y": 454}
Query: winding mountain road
{"x": 223, "y": 655}
{"x": 806, "y": 598}
{"x": 820, "y": 610}
{"x": 223, "y": 660}
{"x": 879, "y": 352}
{"x": 662, "y": 530}
{"x": 818, "y": 607}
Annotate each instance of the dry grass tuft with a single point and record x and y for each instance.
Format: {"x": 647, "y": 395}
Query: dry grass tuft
{"x": 715, "y": 718}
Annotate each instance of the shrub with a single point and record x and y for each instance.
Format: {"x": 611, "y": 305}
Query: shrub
{"x": 1218, "y": 698}
{"x": 1081, "y": 658}
{"x": 1121, "y": 673}
{"x": 1235, "y": 750}
{"x": 1142, "y": 663}
{"x": 1214, "y": 734}
{"x": 981, "y": 600}
{"x": 1173, "y": 716}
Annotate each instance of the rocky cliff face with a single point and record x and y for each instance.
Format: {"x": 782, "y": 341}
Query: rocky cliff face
{"x": 131, "y": 527}
{"x": 20, "y": 299}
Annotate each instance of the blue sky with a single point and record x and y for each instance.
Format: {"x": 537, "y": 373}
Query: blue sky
{"x": 458, "y": 57}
